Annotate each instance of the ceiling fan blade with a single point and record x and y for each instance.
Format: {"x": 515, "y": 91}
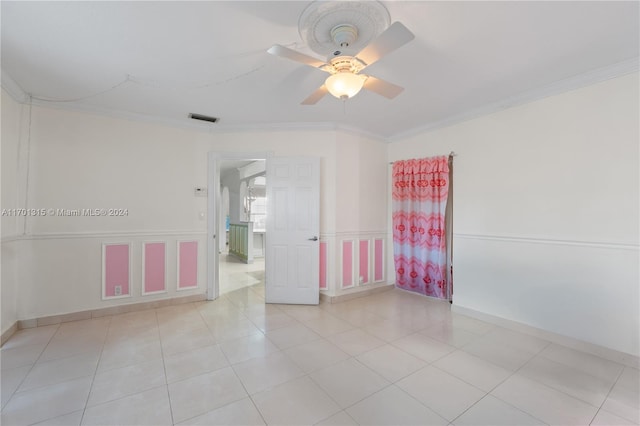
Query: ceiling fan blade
{"x": 285, "y": 52}
{"x": 381, "y": 87}
{"x": 392, "y": 38}
{"x": 316, "y": 96}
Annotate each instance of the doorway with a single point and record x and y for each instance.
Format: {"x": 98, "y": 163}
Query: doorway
{"x": 237, "y": 194}
{"x": 242, "y": 219}
{"x": 291, "y": 272}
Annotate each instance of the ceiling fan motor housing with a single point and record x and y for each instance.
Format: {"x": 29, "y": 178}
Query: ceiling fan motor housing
{"x": 344, "y": 35}
{"x": 346, "y": 64}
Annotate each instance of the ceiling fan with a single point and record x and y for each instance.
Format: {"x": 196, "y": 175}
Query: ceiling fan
{"x": 346, "y": 79}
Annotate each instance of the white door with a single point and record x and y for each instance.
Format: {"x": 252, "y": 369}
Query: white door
{"x": 293, "y": 224}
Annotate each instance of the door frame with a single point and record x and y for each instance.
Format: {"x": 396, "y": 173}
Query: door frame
{"x": 213, "y": 215}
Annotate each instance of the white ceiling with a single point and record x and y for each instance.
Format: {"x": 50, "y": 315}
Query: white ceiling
{"x": 168, "y": 59}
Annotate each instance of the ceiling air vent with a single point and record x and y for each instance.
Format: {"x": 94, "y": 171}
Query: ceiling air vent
{"x": 203, "y": 118}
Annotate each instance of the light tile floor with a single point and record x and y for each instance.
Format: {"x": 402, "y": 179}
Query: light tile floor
{"x": 235, "y": 274}
{"x": 392, "y": 358}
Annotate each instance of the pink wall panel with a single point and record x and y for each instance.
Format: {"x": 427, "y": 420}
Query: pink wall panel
{"x": 323, "y": 265}
{"x": 347, "y": 264}
{"x": 378, "y": 260}
{"x": 154, "y": 267}
{"x": 188, "y": 264}
{"x": 116, "y": 269}
{"x": 364, "y": 260}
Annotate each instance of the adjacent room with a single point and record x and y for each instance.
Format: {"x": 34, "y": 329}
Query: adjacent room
{"x": 242, "y": 224}
{"x": 320, "y": 212}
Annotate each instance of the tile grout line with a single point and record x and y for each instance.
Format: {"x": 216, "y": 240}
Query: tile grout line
{"x": 244, "y": 306}
{"x": 64, "y": 381}
{"x": 15, "y": 391}
{"x": 355, "y": 403}
{"x": 540, "y": 383}
{"x": 432, "y": 364}
{"x": 164, "y": 367}
{"x": 118, "y": 368}
{"x": 613, "y": 385}
{"x": 504, "y": 402}
{"x": 95, "y": 373}
{"x": 567, "y": 366}
{"x": 489, "y": 393}
{"x": 235, "y": 373}
{"x": 248, "y": 394}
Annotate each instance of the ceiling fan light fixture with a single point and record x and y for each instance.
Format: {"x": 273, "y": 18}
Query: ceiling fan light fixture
{"x": 345, "y": 85}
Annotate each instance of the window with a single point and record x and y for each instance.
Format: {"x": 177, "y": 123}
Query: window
{"x": 259, "y": 213}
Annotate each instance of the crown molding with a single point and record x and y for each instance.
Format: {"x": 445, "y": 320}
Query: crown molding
{"x": 360, "y": 132}
{"x": 568, "y": 84}
{"x": 12, "y": 88}
{"x": 572, "y": 83}
{"x": 214, "y": 128}
{"x": 127, "y": 115}
{"x": 275, "y": 127}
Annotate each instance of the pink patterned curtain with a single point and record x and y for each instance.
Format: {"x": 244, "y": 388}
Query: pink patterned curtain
{"x": 420, "y": 189}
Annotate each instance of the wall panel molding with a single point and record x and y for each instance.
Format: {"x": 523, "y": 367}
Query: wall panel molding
{"x": 364, "y": 261}
{"x": 154, "y": 267}
{"x": 347, "y": 262}
{"x": 187, "y": 265}
{"x": 532, "y": 240}
{"x": 116, "y": 270}
{"x": 353, "y": 234}
{"x": 11, "y": 239}
{"x": 378, "y": 262}
{"x": 355, "y": 255}
{"x": 104, "y": 234}
{"x": 324, "y": 266}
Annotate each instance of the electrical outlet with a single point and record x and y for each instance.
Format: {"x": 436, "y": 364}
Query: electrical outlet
{"x": 118, "y": 290}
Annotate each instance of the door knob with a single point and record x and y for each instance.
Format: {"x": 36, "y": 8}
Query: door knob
{"x": 313, "y": 239}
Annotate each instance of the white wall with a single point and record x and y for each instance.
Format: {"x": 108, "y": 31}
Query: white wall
{"x": 84, "y": 161}
{"x": 11, "y": 125}
{"x": 80, "y": 160}
{"x": 360, "y": 210}
{"x": 12, "y": 116}
{"x": 87, "y": 161}
{"x": 361, "y": 181}
{"x": 546, "y": 212}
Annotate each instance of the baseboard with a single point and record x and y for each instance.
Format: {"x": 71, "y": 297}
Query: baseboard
{"x": 355, "y": 294}
{"x": 570, "y": 342}
{"x": 103, "y": 312}
{"x": 8, "y": 333}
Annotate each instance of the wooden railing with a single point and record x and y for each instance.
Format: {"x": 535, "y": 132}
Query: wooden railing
{"x": 241, "y": 241}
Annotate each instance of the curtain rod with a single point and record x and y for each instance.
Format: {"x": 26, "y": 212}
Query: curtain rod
{"x": 451, "y": 154}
